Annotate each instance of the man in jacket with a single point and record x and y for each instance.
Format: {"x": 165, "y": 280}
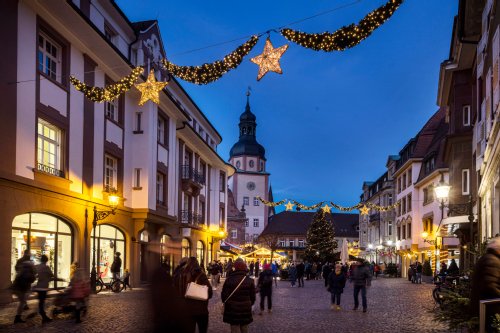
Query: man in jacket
{"x": 362, "y": 279}
{"x": 486, "y": 281}
{"x": 265, "y": 285}
{"x": 300, "y": 274}
{"x": 116, "y": 266}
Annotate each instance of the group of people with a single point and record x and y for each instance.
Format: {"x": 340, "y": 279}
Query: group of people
{"x": 27, "y": 273}
{"x": 174, "y": 312}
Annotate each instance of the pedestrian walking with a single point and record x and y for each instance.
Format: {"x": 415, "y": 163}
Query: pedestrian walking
{"x": 251, "y": 267}
{"x": 79, "y": 292}
{"x": 336, "y": 283}
{"x": 116, "y": 266}
{"x": 214, "y": 275}
{"x": 126, "y": 280}
{"x": 238, "y": 296}
{"x": 275, "y": 270}
{"x": 44, "y": 276}
{"x": 362, "y": 279}
{"x": 168, "y": 307}
{"x": 327, "y": 269}
{"x": 300, "y": 274}
{"x": 419, "y": 272}
{"x": 292, "y": 274}
{"x": 25, "y": 276}
{"x": 486, "y": 282}
{"x": 229, "y": 266}
{"x": 257, "y": 268}
{"x": 198, "y": 309}
{"x": 265, "y": 287}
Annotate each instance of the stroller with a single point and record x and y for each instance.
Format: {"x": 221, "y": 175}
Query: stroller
{"x": 70, "y": 300}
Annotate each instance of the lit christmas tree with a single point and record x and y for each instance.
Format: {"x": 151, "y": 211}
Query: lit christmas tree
{"x": 321, "y": 244}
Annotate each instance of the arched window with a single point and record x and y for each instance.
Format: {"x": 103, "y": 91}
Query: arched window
{"x": 166, "y": 250}
{"x": 186, "y": 248}
{"x": 200, "y": 253}
{"x": 43, "y": 234}
{"x": 109, "y": 240}
{"x": 144, "y": 236}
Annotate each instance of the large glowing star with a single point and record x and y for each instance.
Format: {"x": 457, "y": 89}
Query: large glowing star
{"x": 289, "y": 206}
{"x": 364, "y": 210}
{"x": 326, "y": 208}
{"x": 150, "y": 90}
{"x": 269, "y": 60}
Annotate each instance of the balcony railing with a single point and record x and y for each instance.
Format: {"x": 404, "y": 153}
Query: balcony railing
{"x": 191, "y": 218}
{"x": 189, "y": 173}
{"x": 50, "y": 170}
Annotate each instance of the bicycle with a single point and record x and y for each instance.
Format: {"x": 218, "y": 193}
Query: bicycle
{"x": 444, "y": 284}
{"x": 115, "y": 285}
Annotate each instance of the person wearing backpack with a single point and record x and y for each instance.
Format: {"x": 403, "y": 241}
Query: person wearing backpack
{"x": 22, "y": 283}
{"x": 265, "y": 285}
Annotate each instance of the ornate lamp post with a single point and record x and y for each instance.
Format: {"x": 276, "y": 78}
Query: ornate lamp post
{"x": 98, "y": 216}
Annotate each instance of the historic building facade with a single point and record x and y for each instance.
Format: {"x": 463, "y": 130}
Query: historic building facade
{"x": 289, "y": 230}
{"x": 486, "y": 146}
{"x": 377, "y": 236}
{"x": 66, "y": 155}
{"x": 251, "y": 180}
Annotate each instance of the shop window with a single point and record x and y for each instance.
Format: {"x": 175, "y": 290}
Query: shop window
{"x": 43, "y": 234}
{"x": 109, "y": 240}
{"x": 186, "y": 248}
{"x": 200, "y": 253}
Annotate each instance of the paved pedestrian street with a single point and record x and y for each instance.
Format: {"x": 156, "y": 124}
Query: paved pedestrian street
{"x": 394, "y": 305}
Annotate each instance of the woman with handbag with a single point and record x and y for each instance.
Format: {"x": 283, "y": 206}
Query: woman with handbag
{"x": 193, "y": 283}
{"x": 238, "y": 296}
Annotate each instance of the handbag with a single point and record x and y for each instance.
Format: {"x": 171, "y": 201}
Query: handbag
{"x": 227, "y": 299}
{"x": 197, "y": 291}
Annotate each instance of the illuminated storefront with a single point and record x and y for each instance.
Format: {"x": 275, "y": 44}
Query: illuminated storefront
{"x": 109, "y": 241}
{"x": 43, "y": 234}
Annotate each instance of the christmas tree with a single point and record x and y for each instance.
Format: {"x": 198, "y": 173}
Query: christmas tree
{"x": 321, "y": 244}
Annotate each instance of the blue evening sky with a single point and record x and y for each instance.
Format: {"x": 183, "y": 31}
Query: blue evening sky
{"x": 331, "y": 120}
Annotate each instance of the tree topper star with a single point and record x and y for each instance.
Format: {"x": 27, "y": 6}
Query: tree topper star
{"x": 326, "y": 208}
{"x": 150, "y": 90}
{"x": 364, "y": 210}
{"x": 269, "y": 60}
{"x": 289, "y": 206}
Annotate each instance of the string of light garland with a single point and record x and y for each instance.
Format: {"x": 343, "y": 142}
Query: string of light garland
{"x": 343, "y": 38}
{"x": 347, "y": 36}
{"x": 364, "y": 208}
{"x": 109, "y": 92}
{"x": 211, "y": 72}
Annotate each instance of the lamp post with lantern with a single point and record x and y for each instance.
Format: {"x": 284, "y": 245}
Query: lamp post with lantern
{"x": 442, "y": 191}
{"x": 99, "y": 215}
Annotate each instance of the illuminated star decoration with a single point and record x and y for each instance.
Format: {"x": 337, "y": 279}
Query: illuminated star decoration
{"x": 326, "y": 208}
{"x": 289, "y": 206}
{"x": 364, "y": 210}
{"x": 150, "y": 90}
{"x": 269, "y": 60}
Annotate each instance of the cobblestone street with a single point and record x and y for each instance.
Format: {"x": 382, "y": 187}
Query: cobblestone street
{"x": 391, "y": 305}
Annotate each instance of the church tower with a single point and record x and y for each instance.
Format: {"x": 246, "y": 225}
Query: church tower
{"x": 251, "y": 179}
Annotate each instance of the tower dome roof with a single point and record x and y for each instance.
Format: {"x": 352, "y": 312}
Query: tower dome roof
{"x": 247, "y": 144}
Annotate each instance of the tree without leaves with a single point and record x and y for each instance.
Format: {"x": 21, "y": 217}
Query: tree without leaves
{"x": 271, "y": 241}
{"x": 321, "y": 243}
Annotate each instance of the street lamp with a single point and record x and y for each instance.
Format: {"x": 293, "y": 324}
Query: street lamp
{"x": 99, "y": 215}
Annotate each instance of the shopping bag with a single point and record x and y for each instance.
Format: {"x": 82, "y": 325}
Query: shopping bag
{"x": 197, "y": 291}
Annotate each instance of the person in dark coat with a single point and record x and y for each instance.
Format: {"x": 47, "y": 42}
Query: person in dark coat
{"x": 116, "y": 266}
{"x": 362, "y": 279}
{"x": 327, "y": 269}
{"x": 292, "y": 274}
{"x": 486, "y": 281}
{"x": 301, "y": 268}
{"x": 238, "y": 301}
{"x": 336, "y": 283}
{"x": 251, "y": 266}
{"x": 453, "y": 268}
{"x": 197, "y": 309}
{"x": 265, "y": 285}
{"x": 257, "y": 268}
{"x": 168, "y": 308}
